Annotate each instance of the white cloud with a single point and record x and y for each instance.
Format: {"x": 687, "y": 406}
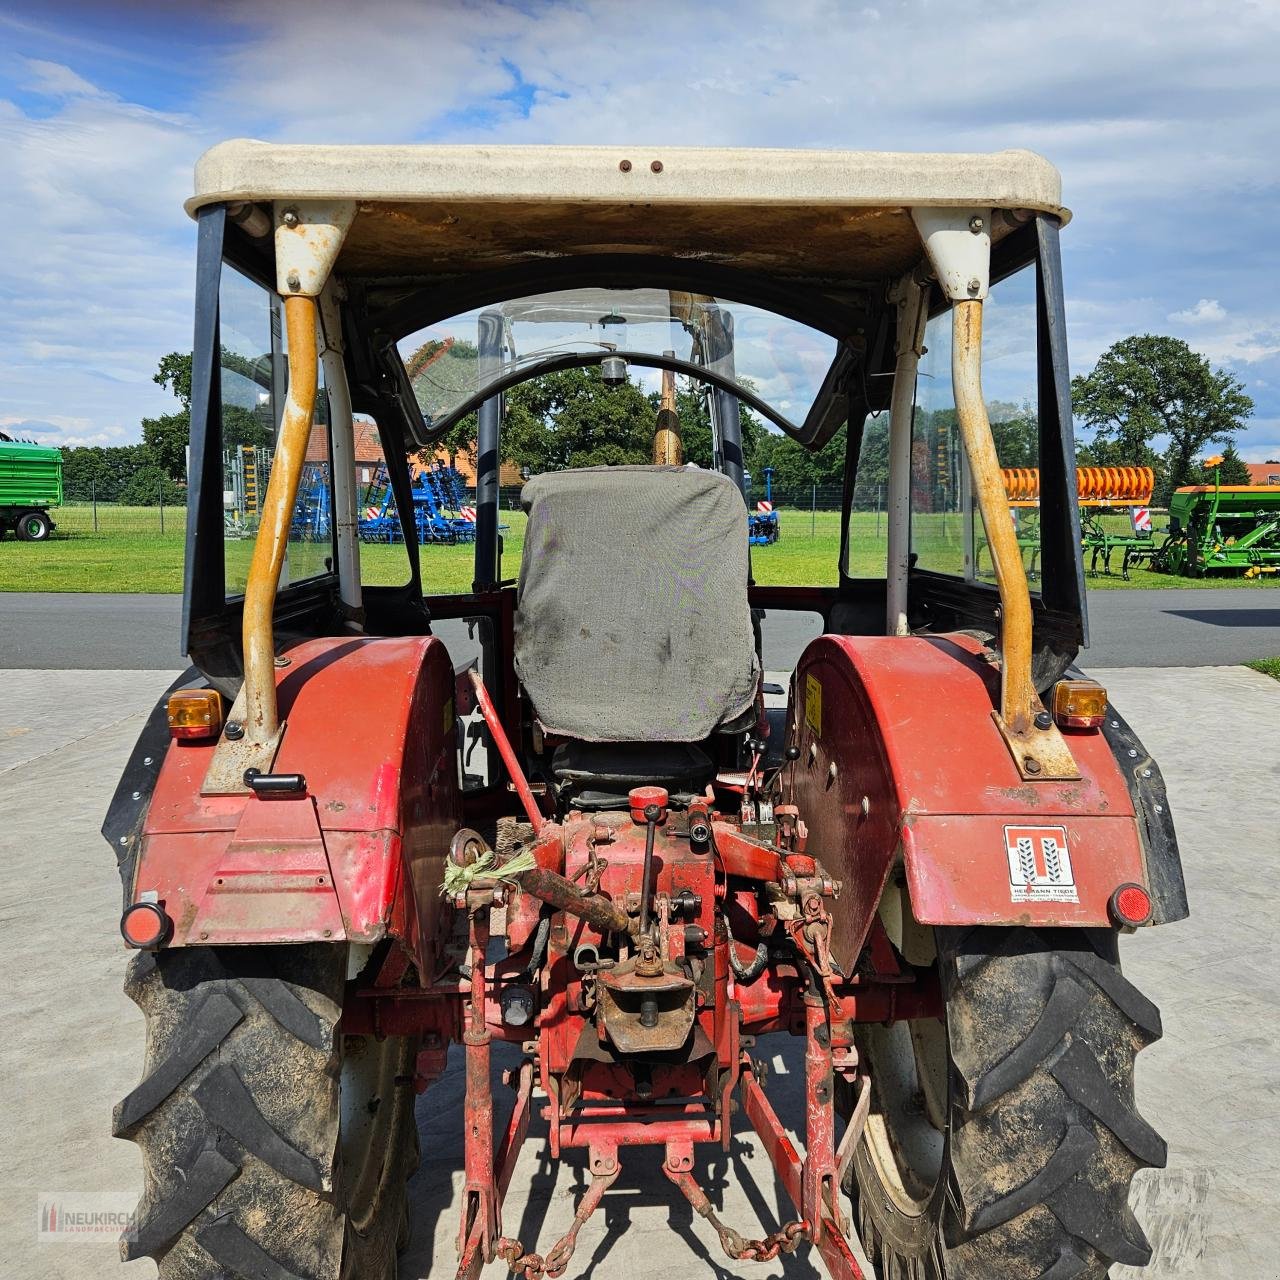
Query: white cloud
{"x": 1161, "y": 117}
{"x": 54, "y": 80}
{"x": 1205, "y": 311}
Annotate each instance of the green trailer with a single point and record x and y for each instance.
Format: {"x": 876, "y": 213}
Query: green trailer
{"x": 30, "y": 483}
{"x": 1222, "y": 529}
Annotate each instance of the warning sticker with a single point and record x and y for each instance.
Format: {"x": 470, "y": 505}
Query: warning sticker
{"x": 1039, "y": 865}
{"x": 813, "y": 704}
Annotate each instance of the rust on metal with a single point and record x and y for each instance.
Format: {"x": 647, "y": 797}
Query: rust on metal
{"x": 503, "y": 743}
{"x": 261, "y": 718}
{"x": 560, "y": 893}
{"x": 668, "y": 448}
{"x": 1038, "y": 753}
{"x": 646, "y": 1012}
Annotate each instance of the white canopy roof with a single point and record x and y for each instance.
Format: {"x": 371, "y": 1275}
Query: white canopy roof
{"x": 443, "y": 209}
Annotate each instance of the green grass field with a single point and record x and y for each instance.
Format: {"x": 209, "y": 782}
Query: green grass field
{"x": 128, "y": 552}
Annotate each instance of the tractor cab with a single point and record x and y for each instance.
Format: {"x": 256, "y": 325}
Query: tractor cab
{"x": 461, "y": 761}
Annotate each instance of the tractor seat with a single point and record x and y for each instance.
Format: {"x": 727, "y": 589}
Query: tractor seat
{"x": 600, "y": 775}
{"x": 632, "y": 620}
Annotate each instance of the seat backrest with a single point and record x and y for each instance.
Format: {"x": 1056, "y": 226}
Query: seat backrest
{"x": 632, "y": 619}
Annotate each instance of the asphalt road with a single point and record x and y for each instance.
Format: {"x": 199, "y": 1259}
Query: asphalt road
{"x": 1177, "y": 628}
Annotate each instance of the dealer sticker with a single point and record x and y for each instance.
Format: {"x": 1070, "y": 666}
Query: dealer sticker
{"x": 1039, "y": 865}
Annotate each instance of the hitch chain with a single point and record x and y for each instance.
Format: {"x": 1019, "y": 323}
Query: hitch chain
{"x": 534, "y": 1266}
{"x": 785, "y": 1240}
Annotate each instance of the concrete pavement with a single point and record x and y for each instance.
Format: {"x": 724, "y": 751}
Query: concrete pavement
{"x": 73, "y": 1043}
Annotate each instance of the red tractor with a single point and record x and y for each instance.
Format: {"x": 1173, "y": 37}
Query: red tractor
{"x": 569, "y": 811}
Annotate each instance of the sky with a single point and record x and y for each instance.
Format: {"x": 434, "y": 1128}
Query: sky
{"x": 1162, "y": 117}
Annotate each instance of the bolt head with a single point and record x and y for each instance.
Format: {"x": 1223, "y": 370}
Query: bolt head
{"x": 624, "y": 166}
{"x": 293, "y": 281}
{"x": 975, "y": 287}
{"x": 1030, "y": 764}
{"x": 656, "y": 166}
{"x": 1044, "y": 720}
{"x": 976, "y": 224}
{"x": 291, "y": 218}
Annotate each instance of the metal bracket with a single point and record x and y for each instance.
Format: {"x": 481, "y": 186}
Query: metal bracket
{"x": 958, "y": 242}
{"x": 309, "y": 235}
{"x": 232, "y": 756}
{"x": 1041, "y": 755}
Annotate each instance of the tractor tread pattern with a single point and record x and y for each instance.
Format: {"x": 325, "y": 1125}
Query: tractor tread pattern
{"x": 1060, "y": 1013}
{"x": 1120, "y": 991}
{"x": 1077, "y": 1071}
{"x": 237, "y": 1118}
{"x": 290, "y": 1012}
{"x": 1068, "y": 1266}
{"x": 229, "y": 1247}
{"x": 1119, "y": 1240}
{"x": 1053, "y": 1047}
{"x": 208, "y": 1175}
{"x": 1073, "y": 1153}
{"x": 209, "y": 1025}
{"x": 1045, "y": 1137}
{"x": 228, "y": 1104}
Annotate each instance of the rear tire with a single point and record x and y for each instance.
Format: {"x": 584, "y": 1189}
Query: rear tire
{"x": 1037, "y": 1137}
{"x": 33, "y": 526}
{"x": 272, "y": 1147}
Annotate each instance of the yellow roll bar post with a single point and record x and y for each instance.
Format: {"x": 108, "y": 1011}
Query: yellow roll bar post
{"x": 1016, "y": 692}
{"x": 1038, "y": 749}
{"x": 308, "y": 237}
{"x": 262, "y": 721}
{"x": 668, "y": 448}
{"x": 958, "y": 245}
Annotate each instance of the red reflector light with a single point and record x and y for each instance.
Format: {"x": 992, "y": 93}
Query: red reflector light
{"x": 144, "y": 925}
{"x": 1131, "y": 905}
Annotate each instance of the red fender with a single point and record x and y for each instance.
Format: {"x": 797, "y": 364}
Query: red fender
{"x": 901, "y": 759}
{"x": 359, "y": 854}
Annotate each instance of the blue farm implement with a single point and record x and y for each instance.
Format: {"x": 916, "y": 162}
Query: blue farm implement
{"x": 762, "y": 523}
{"x": 439, "y": 516}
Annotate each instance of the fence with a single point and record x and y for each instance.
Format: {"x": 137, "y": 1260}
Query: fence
{"x": 802, "y": 509}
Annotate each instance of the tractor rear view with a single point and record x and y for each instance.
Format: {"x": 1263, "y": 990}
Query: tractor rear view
{"x": 558, "y": 810}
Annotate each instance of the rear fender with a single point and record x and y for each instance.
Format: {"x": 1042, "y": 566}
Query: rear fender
{"x": 901, "y": 762}
{"x": 359, "y": 854}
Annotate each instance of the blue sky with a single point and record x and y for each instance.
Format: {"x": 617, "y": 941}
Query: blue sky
{"x": 1163, "y": 118}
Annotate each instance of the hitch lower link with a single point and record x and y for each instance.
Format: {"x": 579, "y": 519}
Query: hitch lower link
{"x": 678, "y": 1168}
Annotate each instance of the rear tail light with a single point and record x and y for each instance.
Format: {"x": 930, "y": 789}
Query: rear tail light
{"x": 1130, "y": 906}
{"x": 195, "y": 713}
{"x": 145, "y": 925}
{"x": 1079, "y": 704}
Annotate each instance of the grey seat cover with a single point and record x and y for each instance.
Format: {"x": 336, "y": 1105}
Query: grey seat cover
{"x": 632, "y": 620}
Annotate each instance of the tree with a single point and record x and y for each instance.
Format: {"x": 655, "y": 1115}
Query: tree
{"x": 174, "y": 374}
{"x": 93, "y": 472}
{"x": 1231, "y": 470}
{"x": 147, "y": 485}
{"x": 571, "y": 418}
{"x": 165, "y": 439}
{"x": 1147, "y": 386}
